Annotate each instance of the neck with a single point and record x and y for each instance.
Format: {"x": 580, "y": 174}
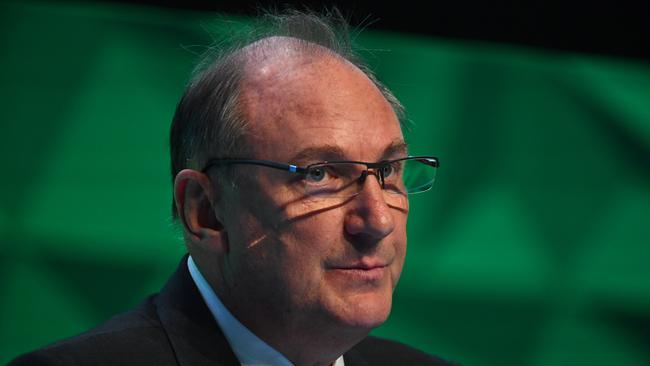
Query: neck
{"x": 311, "y": 339}
{"x": 305, "y": 341}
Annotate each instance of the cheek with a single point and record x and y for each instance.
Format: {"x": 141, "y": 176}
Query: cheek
{"x": 315, "y": 223}
{"x": 319, "y": 234}
{"x": 309, "y": 242}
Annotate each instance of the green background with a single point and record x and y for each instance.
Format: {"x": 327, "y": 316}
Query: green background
{"x": 532, "y": 249}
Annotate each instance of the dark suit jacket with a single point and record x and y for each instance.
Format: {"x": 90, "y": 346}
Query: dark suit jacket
{"x": 175, "y": 327}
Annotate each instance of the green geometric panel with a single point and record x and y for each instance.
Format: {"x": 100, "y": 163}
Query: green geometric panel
{"x": 583, "y": 342}
{"x": 492, "y": 246}
{"x": 65, "y": 295}
{"x": 558, "y": 162}
{"x": 106, "y": 287}
{"x": 616, "y": 264}
{"x": 37, "y": 85}
{"x": 110, "y": 159}
{"x": 39, "y": 301}
{"x": 622, "y": 87}
{"x": 473, "y": 330}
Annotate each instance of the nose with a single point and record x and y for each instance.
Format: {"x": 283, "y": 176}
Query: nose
{"x": 370, "y": 215}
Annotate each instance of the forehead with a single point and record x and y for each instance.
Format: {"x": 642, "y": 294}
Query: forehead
{"x": 296, "y": 104}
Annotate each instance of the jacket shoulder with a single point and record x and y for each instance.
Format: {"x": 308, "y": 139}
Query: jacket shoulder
{"x": 132, "y": 338}
{"x": 379, "y": 351}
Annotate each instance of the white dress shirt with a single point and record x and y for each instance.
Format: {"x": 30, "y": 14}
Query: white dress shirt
{"x": 249, "y": 349}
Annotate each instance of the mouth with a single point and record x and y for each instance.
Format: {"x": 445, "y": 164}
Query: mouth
{"x": 364, "y": 271}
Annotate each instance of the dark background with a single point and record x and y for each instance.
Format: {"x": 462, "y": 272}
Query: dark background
{"x": 618, "y": 28}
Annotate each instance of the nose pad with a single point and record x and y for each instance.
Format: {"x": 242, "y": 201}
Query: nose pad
{"x": 377, "y": 173}
{"x": 364, "y": 175}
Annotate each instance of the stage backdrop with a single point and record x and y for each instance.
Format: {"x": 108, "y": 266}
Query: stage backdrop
{"x": 532, "y": 249}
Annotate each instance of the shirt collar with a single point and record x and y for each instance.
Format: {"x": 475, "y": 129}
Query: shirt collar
{"x": 249, "y": 348}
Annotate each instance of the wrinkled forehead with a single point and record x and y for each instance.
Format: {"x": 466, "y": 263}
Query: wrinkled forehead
{"x": 296, "y": 101}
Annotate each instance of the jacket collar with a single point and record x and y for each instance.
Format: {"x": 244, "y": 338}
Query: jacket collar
{"x": 193, "y": 333}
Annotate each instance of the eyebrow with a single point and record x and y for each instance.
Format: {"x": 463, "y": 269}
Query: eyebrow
{"x": 319, "y": 153}
{"x": 333, "y": 152}
{"x": 398, "y": 147}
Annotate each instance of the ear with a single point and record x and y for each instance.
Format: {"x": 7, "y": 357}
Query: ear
{"x": 196, "y": 204}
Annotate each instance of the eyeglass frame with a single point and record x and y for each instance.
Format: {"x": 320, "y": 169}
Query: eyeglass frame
{"x": 291, "y": 168}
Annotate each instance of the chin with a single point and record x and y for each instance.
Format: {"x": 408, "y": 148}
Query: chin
{"x": 365, "y": 312}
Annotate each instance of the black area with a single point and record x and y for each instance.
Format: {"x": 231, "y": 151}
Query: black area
{"x": 619, "y": 28}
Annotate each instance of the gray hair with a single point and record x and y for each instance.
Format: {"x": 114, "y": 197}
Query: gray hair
{"x": 209, "y": 122}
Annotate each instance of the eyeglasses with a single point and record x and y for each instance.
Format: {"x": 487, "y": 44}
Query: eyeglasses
{"x": 343, "y": 179}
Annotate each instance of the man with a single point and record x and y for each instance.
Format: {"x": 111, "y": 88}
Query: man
{"x": 291, "y": 179}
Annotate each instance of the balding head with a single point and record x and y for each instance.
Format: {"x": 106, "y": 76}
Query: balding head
{"x": 297, "y": 87}
{"x": 210, "y": 119}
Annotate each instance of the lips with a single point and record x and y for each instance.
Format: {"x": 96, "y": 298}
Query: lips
{"x": 366, "y": 270}
{"x": 362, "y": 265}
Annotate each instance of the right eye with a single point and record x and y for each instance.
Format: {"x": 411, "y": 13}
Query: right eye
{"x": 316, "y": 174}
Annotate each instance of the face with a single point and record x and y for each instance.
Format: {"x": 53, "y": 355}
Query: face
{"x": 307, "y": 262}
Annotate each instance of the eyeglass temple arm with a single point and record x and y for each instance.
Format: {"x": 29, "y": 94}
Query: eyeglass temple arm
{"x": 271, "y": 164}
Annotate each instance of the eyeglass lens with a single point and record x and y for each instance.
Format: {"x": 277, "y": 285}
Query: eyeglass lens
{"x": 399, "y": 178}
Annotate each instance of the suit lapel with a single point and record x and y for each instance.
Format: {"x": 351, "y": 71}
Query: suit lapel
{"x": 193, "y": 333}
{"x": 355, "y": 358}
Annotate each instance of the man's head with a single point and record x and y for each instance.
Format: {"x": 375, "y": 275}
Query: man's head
{"x": 292, "y": 267}
{"x": 208, "y": 122}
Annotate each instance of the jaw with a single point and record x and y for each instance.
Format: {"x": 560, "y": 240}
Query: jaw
{"x": 358, "y": 307}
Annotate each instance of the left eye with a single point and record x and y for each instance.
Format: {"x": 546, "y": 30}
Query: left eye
{"x": 387, "y": 170}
